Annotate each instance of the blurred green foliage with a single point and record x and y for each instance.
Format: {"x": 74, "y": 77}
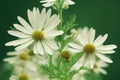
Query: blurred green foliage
{"x": 103, "y": 15}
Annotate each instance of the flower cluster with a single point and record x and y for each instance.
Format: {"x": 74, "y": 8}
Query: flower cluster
{"x": 48, "y": 48}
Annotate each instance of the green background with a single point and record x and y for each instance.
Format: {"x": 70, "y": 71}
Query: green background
{"x": 102, "y": 15}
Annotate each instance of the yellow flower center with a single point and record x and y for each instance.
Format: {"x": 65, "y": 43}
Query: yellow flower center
{"x": 24, "y": 56}
{"x": 89, "y": 48}
{"x": 38, "y": 35}
{"x": 65, "y": 54}
{"x": 30, "y": 53}
{"x": 66, "y": 7}
{"x": 23, "y": 77}
{"x": 95, "y": 66}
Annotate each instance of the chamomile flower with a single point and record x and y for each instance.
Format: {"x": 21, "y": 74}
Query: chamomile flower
{"x": 28, "y": 76}
{"x": 40, "y": 32}
{"x": 91, "y": 47}
{"x": 98, "y": 67}
{"x": 21, "y": 59}
{"x": 48, "y": 3}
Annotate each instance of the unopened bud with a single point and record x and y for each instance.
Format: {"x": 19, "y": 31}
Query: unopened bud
{"x": 65, "y": 54}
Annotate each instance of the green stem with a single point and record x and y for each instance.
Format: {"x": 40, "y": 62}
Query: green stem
{"x": 61, "y": 18}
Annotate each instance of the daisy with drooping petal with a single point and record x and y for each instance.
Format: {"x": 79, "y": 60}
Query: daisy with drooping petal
{"x": 48, "y": 3}
{"x": 91, "y": 47}
{"x": 98, "y": 67}
{"x": 40, "y": 32}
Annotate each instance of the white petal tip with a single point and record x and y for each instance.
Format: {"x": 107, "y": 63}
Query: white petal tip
{"x": 115, "y": 46}
{"x": 18, "y": 17}
{"x": 17, "y": 48}
{"x": 50, "y": 53}
{"x": 40, "y": 53}
{"x": 6, "y": 44}
{"x": 106, "y": 35}
{"x": 110, "y": 61}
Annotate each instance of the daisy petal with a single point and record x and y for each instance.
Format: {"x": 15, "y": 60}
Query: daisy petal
{"x": 102, "y": 40}
{"x": 12, "y": 53}
{"x": 18, "y": 42}
{"x": 35, "y": 48}
{"x": 73, "y": 45}
{"x": 91, "y": 35}
{"x": 85, "y": 60}
{"x": 25, "y": 24}
{"x": 52, "y": 44}
{"x": 103, "y": 71}
{"x": 50, "y": 20}
{"x": 84, "y": 34}
{"x": 40, "y": 47}
{"x": 101, "y": 56}
{"x": 24, "y": 45}
{"x": 53, "y": 24}
{"x": 21, "y": 28}
{"x": 107, "y": 47}
{"x": 47, "y": 4}
{"x": 10, "y": 60}
{"x": 42, "y": 20}
{"x": 30, "y": 18}
{"x": 74, "y": 50}
{"x": 35, "y": 16}
{"x": 97, "y": 39}
{"x": 47, "y": 21}
{"x": 101, "y": 63}
{"x": 92, "y": 61}
{"x": 53, "y": 33}
{"x": 71, "y": 2}
{"x": 82, "y": 42}
{"x": 106, "y": 51}
{"x": 48, "y": 14}
{"x": 18, "y": 34}
{"x": 47, "y": 49}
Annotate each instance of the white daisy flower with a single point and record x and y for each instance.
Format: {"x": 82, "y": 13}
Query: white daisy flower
{"x": 40, "y": 32}
{"x": 48, "y": 3}
{"x": 91, "y": 47}
{"x": 98, "y": 67}
{"x": 21, "y": 59}
{"x": 28, "y": 76}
